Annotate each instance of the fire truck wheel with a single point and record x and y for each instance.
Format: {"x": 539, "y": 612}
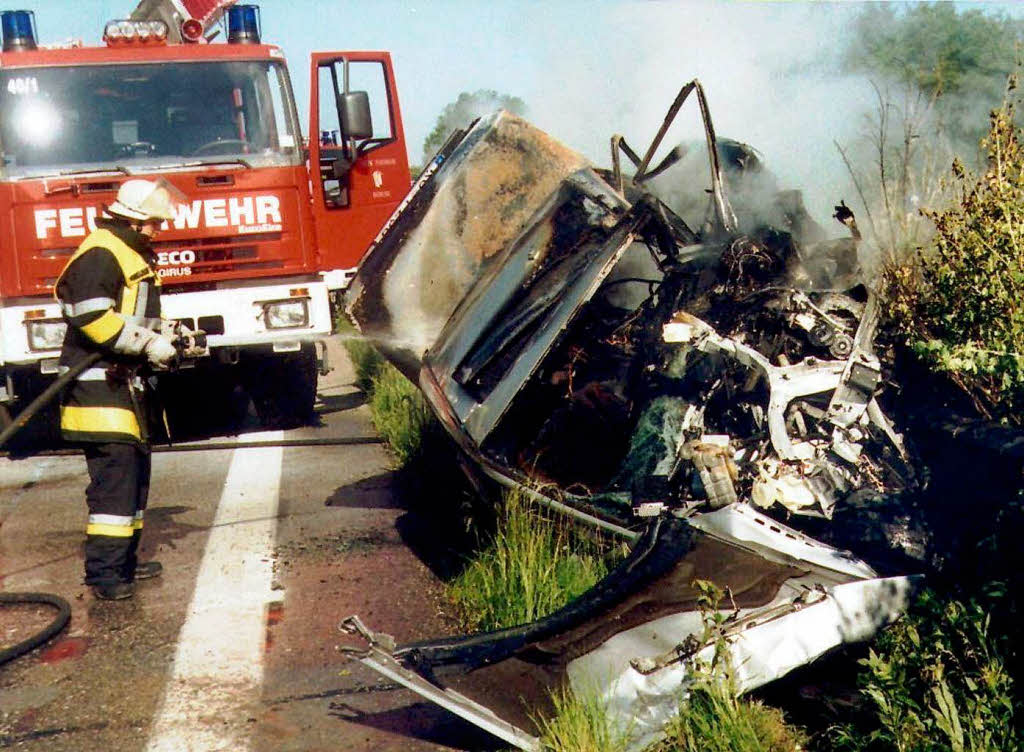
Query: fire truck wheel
{"x": 286, "y": 391}
{"x": 199, "y": 403}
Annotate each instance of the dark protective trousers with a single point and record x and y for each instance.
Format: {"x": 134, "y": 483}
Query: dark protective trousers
{"x": 117, "y": 494}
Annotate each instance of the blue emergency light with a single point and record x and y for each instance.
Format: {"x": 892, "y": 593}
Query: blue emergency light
{"x": 244, "y": 24}
{"x": 19, "y": 30}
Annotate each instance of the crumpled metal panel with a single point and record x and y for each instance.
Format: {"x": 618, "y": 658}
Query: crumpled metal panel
{"x": 643, "y": 703}
{"x": 451, "y": 232}
{"x": 637, "y": 639}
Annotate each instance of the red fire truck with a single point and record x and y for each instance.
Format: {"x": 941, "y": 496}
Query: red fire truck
{"x": 273, "y": 225}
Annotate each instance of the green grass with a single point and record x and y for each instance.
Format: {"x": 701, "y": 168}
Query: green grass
{"x": 713, "y": 720}
{"x": 534, "y": 565}
{"x": 711, "y": 717}
{"x": 397, "y": 407}
{"x": 400, "y": 414}
{"x": 579, "y": 724}
{"x": 366, "y": 361}
{"x": 710, "y": 720}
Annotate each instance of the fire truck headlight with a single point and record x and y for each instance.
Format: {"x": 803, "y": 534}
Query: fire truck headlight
{"x": 286, "y": 314}
{"x": 45, "y": 334}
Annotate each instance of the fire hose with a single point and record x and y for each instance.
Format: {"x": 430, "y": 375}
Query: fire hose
{"x": 63, "y": 616}
{"x": 46, "y": 397}
{"x": 52, "y": 629}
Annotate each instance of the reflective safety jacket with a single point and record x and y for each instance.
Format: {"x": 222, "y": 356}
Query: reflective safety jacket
{"x": 110, "y": 298}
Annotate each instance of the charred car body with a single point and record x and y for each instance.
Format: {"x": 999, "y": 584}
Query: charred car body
{"x": 659, "y": 379}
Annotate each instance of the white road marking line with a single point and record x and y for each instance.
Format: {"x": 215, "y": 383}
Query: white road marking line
{"x": 218, "y": 668}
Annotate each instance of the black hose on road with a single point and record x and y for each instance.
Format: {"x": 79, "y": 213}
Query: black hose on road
{"x": 48, "y": 599}
{"x": 52, "y": 629}
{"x": 214, "y": 446}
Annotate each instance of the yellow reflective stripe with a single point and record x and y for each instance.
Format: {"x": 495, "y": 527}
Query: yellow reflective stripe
{"x": 129, "y": 296}
{"x": 105, "y": 328}
{"x": 114, "y": 531}
{"x": 99, "y": 420}
{"x": 137, "y": 523}
{"x": 128, "y": 259}
{"x": 133, "y": 266}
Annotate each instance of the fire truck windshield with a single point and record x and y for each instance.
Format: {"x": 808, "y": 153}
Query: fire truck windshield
{"x": 138, "y": 118}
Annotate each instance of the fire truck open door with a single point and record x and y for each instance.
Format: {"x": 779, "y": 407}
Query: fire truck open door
{"x": 357, "y": 155}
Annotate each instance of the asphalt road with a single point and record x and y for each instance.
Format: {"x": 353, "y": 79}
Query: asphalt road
{"x": 234, "y": 648}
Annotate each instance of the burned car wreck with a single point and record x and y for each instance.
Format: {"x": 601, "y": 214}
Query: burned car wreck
{"x": 660, "y": 379}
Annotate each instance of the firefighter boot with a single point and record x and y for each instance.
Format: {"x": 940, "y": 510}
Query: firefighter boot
{"x": 116, "y": 592}
{"x": 133, "y": 568}
{"x": 148, "y": 569}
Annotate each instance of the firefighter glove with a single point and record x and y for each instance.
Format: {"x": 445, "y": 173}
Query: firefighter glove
{"x": 191, "y": 344}
{"x": 170, "y": 328}
{"x": 160, "y": 352}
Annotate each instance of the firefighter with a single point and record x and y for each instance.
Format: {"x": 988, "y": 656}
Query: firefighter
{"x": 110, "y": 298}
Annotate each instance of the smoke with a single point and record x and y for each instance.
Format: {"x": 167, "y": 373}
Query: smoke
{"x": 771, "y": 73}
{"x": 463, "y": 111}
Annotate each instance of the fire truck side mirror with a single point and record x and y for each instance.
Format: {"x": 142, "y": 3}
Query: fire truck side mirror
{"x": 354, "y": 107}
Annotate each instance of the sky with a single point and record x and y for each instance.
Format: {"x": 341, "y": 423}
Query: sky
{"x": 587, "y": 69}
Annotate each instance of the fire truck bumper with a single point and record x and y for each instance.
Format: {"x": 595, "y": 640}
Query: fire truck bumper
{"x": 280, "y": 315}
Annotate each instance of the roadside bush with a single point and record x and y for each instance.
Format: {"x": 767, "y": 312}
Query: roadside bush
{"x": 958, "y": 305}
{"x": 534, "y": 565}
{"x": 936, "y": 681}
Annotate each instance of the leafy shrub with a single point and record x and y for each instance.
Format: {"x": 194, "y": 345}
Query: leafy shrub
{"x": 959, "y": 306}
{"x": 936, "y": 681}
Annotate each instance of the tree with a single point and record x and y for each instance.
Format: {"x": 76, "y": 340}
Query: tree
{"x": 957, "y": 59}
{"x": 466, "y": 109}
{"x": 936, "y": 70}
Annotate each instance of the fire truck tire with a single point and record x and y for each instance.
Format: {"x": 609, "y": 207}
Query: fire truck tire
{"x": 201, "y": 402}
{"x": 285, "y": 393}
{"x": 42, "y": 429}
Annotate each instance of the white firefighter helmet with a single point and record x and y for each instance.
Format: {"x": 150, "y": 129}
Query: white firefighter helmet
{"x": 146, "y": 200}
